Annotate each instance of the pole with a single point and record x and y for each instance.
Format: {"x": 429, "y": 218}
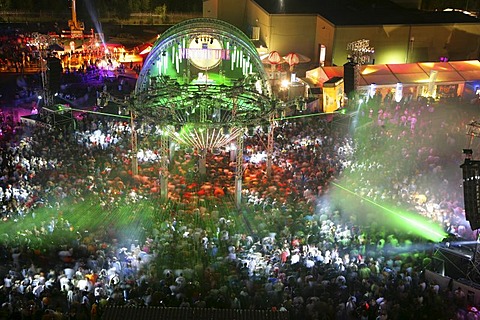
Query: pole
{"x": 202, "y": 163}
{"x": 474, "y": 272}
{"x": 239, "y": 171}
{"x": 134, "y": 144}
{"x": 74, "y": 16}
{"x": 164, "y": 165}
{"x": 270, "y": 141}
{"x": 411, "y": 39}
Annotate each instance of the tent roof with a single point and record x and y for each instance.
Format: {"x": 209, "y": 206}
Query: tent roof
{"x": 410, "y": 73}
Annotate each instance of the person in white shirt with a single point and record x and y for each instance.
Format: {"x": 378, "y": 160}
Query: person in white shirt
{"x": 7, "y": 281}
{"x": 295, "y": 258}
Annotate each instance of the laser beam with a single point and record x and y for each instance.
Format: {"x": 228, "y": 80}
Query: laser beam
{"x": 419, "y": 224}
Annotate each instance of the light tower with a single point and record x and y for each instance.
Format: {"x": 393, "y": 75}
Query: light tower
{"x": 76, "y": 27}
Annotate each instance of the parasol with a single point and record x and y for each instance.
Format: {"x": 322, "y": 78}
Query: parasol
{"x": 294, "y": 58}
{"x": 273, "y": 58}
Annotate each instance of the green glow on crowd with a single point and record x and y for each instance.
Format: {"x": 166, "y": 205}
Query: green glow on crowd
{"x": 405, "y": 220}
{"x": 61, "y": 225}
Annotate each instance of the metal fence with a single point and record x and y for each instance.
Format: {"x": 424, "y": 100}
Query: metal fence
{"x": 160, "y": 313}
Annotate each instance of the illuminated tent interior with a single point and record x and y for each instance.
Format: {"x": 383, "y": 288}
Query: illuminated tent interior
{"x": 410, "y": 73}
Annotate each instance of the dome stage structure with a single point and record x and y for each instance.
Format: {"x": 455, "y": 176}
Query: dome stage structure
{"x": 203, "y": 84}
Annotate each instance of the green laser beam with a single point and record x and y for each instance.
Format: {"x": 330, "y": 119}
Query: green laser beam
{"x": 417, "y": 224}
{"x": 102, "y": 113}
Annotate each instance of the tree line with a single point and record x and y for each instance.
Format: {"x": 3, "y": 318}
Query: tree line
{"x": 111, "y": 8}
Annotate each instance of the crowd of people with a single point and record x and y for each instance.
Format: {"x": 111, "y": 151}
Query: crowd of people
{"x": 298, "y": 244}
{"x": 304, "y": 252}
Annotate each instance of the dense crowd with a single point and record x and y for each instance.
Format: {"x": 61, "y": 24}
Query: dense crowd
{"x": 307, "y": 248}
{"x": 305, "y": 252}
{"x": 15, "y": 54}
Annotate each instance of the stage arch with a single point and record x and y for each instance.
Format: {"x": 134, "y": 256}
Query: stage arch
{"x": 203, "y": 84}
{"x": 203, "y": 75}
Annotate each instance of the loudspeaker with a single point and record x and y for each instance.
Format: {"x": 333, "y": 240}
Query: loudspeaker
{"x": 350, "y": 77}
{"x": 471, "y": 192}
{"x": 54, "y": 74}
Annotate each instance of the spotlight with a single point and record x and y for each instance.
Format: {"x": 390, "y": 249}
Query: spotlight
{"x": 164, "y": 53}
{"x": 196, "y": 40}
{"x": 211, "y": 40}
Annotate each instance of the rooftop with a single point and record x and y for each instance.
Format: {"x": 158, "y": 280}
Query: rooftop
{"x": 363, "y": 12}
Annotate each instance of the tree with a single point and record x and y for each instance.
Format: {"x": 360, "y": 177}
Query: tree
{"x": 134, "y": 5}
{"x": 183, "y": 5}
{"x": 161, "y": 11}
{"x": 5, "y": 4}
{"x": 25, "y": 5}
{"x": 145, "y": 5}
{"x": 123, "y": 10}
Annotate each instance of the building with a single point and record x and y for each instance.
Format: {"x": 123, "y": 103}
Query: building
{"x": 322, "y": 30}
